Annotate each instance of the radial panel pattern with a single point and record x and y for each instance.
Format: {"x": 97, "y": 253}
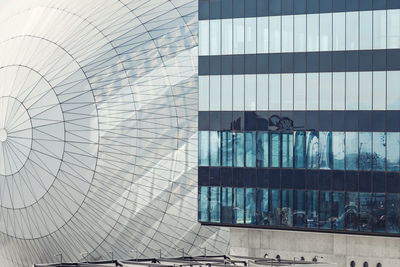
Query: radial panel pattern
{"x": 98, "y": 130}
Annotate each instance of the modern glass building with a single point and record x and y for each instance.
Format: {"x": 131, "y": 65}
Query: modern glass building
{"x": 299, "y": 114}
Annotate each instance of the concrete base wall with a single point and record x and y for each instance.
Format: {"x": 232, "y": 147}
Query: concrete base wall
{"x": 334, "y": 248}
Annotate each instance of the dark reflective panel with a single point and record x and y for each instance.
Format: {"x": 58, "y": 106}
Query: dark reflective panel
{"x": 275, "y": 153}
{"x": 275, "y": 207}
{"x": 238, "y": 149}
{"x": 250, "y": 206}
{"x": 262, "y": 149}
{"x": 238, "y": 205}
{"x": 325, "y": 205}
{"x": 215, "y": 202}
{"x": 300, "y": 150}
{"x": 379, "y": 151}
{"x": 365, "y": 212}
{"x": 312, "y": 150}
{"x": 338, "y": 150}
{"x": 338, "y": 214}
{"x": 287, "y": 207}
{"x": 226, "y": 205}
{"x": 215, "y": 151}
{"x": 250, "y": 149}
{"x": 393, "y": 213}
{"x": 299, "y": 213}
{"x": 204, "y": 148}
{"x": 262, "y": 207}
{"x": 226, "y": 148}
{"x": 203, "y": 204}
{"x": 287, "y": 150}
{"x": 312, "y": 209}
{"x": 351, "y": 211}
{"x": 378, "y": 212}
{"x": 365, "y": 150}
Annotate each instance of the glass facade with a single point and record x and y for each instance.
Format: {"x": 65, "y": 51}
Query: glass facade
{"x": 299, "y": 114}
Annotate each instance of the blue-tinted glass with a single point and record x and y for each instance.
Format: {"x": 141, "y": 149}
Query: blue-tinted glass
{"x": 365, "y": 212}
{"x": 287, "y": 7}
{"x": 287, "y": 208}
{"x": 325, "y": 61}
{"x": 226, "y": 205}
{"x": 262, "y": 207}
{"x": 393, "y": 213}
{"x": 238, "y": 8}
{"x": 204, "y": 148}
{"x": 250, "y": 149}
{"x": 238, "y": 64}
{"x": 352, "y": 5}
{"x": 338, "y": 214}
{"x": 325, "y": 150}
{"x": 250, "y": 64}
{"x": 250, "y": 9}
{"x": 365, "y": 147}
{"x": 275, "y": 207}
{"x": 204, "y": 65}
{"x": 227, "y": 63}
{"x": 338, "y": 59}
{"x": 275, "y": 153}
{"x": 379, "y": 151}
{"x": 262, "y": 8}
{"x": 366, "y": 5}
{"x": 274, "y": 7}
{"x": 250, "y": 206}
{"x": 325, "y": 206}
{"x": 379, "y": 60}
{"x": 312, "y": 150}
{"x": 352, "y": 61}
{"x": 393, "y": 151}
{"x": 262, "y": 149}
{"x": 274, "y": 61}
{"x": 238, "y": 205}
{"x": 393, "y": 4}
{"x": 299, "y": 214}
{"x": 215, "y": 65}
{"x": 226, "y": 9}
{"x": 300, "y": 150}
{"x": 325, "y": 6}
{"x": 215, "y": 149}
{"x": 262, "y": 63}
{"x": 312, "y": 209}
{"x": 238, "y": 149}
{"x": 300, "y": 60}
{"x": 287, "y": 150}
{"x": 351, "y": 211}
{"x": 215, "y": 9}
{"x": 351, "y": 151}
{"x": 203, "y": 204}
{"x": 378, "y": 213}
{"x": 215, "y": 204}
{"x": 378, "y": 4}
{"x": 339, "y": 5}
{"x": 226, "y": 148}
{"x": 204, "y": 9}
{"x": 287, "y": 63}
{"x": 312, "y": 6}
{"x": 300, "y": 6}
{"x": 338, "y": 150}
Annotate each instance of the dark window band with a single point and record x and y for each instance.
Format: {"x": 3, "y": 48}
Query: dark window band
{"x": 302, "y": 62}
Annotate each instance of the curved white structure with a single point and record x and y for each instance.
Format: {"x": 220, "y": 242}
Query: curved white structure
{"x": 98, "y": 130}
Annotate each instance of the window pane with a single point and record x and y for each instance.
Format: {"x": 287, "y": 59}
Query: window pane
{"x": 393, "y": 29}
{"x": 275, "y": 150}
{"x": 287, "y": 91}
{"x": 238, "y": 205}
{"x": 325, "y": 210}
{"x": 262, "y": 92}
{"x": 379, "y": 87}
{"x": 379, "y": 29}
{"x": 338, "y": 150}
{"x": 238, "y": 36}
{"x": 287, "y": 150}
{"x": 365, "y": 212}
{"x": 339, "y": 31}
{"x": 312, "y": 209}
{"x": 226, "y": 94}
{"x": 287, "y": 208}
{"x": 215, "y": 151}
{"x": 338, "y": 90}
{"x": 250, "y": 149}
{"x": 351, "y": 211}
{"x": 275, "y": 34}
{"x": 250, "y": 35}
{"x": 325, "y": 32}
{"x": 215, "y": 92}
{"x": 204, "y": 35}
{"x": 262, "y": 149}
{"x": 262, "y": 35}
{"x": 325, "y": 150}
{"x": 238, "y": 149}
{"x": 351, "y": 151}
{"x": 227, "y": 36}
{"x": 226, "y": 151}
{"x": 352, "y": 90}
{"x": 393, "y": 150}
{"x": 299, "y": 91}
{"x": 300, "y": 33}
{"x": 313, "y": 150}
{"x": 274, "y": 92}
{"x": 338, "y": 210}
{"x": 250, "y": 92}
{"x": 393, "y": 89}
{"x": 352, "y": 30}
{"x": 325, "y": 87}
{"x": 226, "y": 205}
{"x": 379, "y": 151}
{"x": 204, "y": 148}
{"x": 275, "y": 207}
{"x": 366, "y": 30}
{"x": 238, "y": 92}
{"x": 312, "y": 91}
{"x": 204, "y": 93}
{"x": 392, "y": 213}
{"x": 299, "y": 214}
{"x": 365, "y": 90}
{"x": 215, "y": 204}
{"x": 203, "y": 204}
{"x": 215, "y": 37}
{"x": 262, "y": 207}
{"x": 365, "y": 148}
{"x": 287, "y": 34}
{"x": 250, "y": 205}
{"x": 312, "y": 32}
{"x": 378, "y": 213}
{"x": 299, "y": 150}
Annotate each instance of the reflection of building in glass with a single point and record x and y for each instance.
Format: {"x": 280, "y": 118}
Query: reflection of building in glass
{"x": 299, "y": 107}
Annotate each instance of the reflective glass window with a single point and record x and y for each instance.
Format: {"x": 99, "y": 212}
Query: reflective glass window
{"x": 250, "y": 92}
{"x": 226, "y": 92}
{"x": 325, "y": 32}
{"x": 275, "y": 207}
{"x": 215, "y": 92}
{"x": 262, "y": 207}
{"x": 250, "y": 44}
{"x": 325, "y": 87}
{"x": 299, "y": 213}
{"x": 299, "y": 149}
{"x": 287, "y": 208}
{"x": 393, "y": 88}
{"x": 204, "y": 93}
{"x": 366, "y": 212}
{"x": 312, "y": 209}
{"x": 204, "y": 37}
{"x": 379, "y": 29}
{"x": 312, "y": 32}
{"x": 215, "y": 204}
{"x": 238, "y": 149}
{"x": 352, "y": 30}
{"x": 339, "y": 84}
{"x": 287, "y": 91}
{"x": 352, "y": 90}
{"x": 325, "y": 150}
{"x": 378, "y": 213}
{"x": 338, "y": 213}
{"x": 287, "y": 34}
{"x": 325, "y": 206}
{"x": 300, "y": 33}
{"x": 274, "y": 92}
{"x": 226, "y": 36}
{"x": 379, "y": 151}
{"x": 392, "y": 213}
{"x": 262, "y": 35}
{"x": 393, "y": 29}
{"x": 312, "y": 91}
{"x": 393, "y": 151}
{"x": 250, "y": 206}
{"x": 338, "y": 150}
{"x": 215, "y": 149}
{"x": 365, "y": 150}
{"x": 275, "y": 150}
{"x": 299, "y": 91}
{"x": 238, "y": 36}
{"x": 238, "y": 205}
{"x": 238, "y": 92}
{"x": 262, "y": 149}
{"x": 226, "y": 205}
{"x": 287, "y": 150}
{"x": 351, "y": 211}
{"x": 204, "y": 148}
{"x": 262, "y": 92}
{"x": 215, "y": 37}
{"x": 339, "y": 31}
{"x": 351, "y": 151}
{"x": 203, "y": 204}
{"x": 366, "y": 30}
{"x": 226, "y": 148}
{"x": 275, "y": 34}
{"x": 312, "y": 150}
{"x": 365, "y": 90}
{"x": 250, "y": 149}
{"x": 379, "y": 90}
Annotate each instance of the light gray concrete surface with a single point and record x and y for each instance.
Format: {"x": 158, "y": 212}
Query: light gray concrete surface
{"x": 340, "y": 249}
